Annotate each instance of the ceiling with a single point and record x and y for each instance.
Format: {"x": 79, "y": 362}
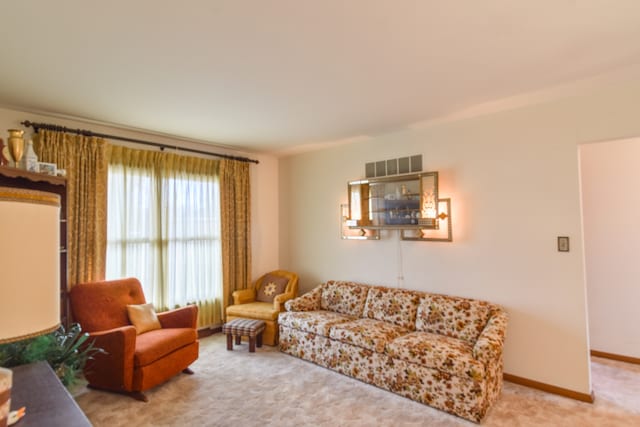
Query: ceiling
{"x": 273, "y": 75}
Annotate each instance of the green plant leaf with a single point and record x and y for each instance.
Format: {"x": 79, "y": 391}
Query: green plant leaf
{"x": 66, "y": 351}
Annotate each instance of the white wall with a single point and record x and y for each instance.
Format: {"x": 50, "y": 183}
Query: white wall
{"x": 263, "y": 179}
{"x": 611, "y": 202}
{"x": 265, "y": 210}
{"x": 514, "y": 182}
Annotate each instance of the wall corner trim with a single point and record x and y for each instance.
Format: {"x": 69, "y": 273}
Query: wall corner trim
{"x": 583, "y": 397}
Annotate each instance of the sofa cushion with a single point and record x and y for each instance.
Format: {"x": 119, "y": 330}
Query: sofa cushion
{"x": 254, "y": 310}
{"x": 344, "y": 297}
{"x": 446, "y": 354}
{"x": 397, "y": 306}
{"x": 317, "y": 322}
{"x": 367, "y": 333}
{"x": 307, "y": 302}
{"x": 156, "y": 344}
{"x": 452, "y": 316}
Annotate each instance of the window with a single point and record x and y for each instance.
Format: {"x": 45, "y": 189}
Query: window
{"x": 163, "y": 228}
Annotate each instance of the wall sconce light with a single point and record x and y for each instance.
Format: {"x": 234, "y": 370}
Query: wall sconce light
{"x": 442, "y": 232}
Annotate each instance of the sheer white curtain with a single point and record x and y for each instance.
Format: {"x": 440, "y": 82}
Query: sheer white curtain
{"x": 163, "y": 227}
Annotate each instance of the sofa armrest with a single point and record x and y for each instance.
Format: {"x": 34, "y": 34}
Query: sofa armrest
{"x": 183, "y": 317}
{"x": 307, "y": 302}
{"x": 243, "y": 296}
{"x": 488, "y": 346}
{"x": 280, "y": 300}
{"x": 112, "y": 369}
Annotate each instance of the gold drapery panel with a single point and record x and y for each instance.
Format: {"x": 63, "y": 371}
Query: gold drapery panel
{"x": 235, "y": 194}
{"x": 85, "y": 161}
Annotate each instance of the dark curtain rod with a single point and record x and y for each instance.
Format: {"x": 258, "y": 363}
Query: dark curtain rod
{"x": 89, "y": 133}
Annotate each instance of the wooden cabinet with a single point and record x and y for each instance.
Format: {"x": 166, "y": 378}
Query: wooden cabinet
{"x": 48, "y": 403}
{"x": 18, "y": 178}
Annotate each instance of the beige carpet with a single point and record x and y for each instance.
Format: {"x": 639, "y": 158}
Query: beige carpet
{"x": 268, "y": 388}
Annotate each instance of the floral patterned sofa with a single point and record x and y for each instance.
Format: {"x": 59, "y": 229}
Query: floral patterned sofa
{"x": 443, "y": 351}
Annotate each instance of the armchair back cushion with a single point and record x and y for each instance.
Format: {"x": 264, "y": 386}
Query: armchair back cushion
{"x": 102, "y": 305}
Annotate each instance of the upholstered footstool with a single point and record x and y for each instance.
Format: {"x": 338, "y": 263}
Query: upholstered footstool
{"x": 240, "y": 327}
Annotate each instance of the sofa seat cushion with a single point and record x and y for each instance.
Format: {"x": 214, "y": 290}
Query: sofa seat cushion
{"x": 367, "y": 333}
{"x": 446, "y": 354}
{"x": 154, "y": 345}
{"x": 317, "y": 322}
{"x": 254, "y": 310}
{"x": 453, "y": 316}
{"x": 344, "y": 297}
{"x": 397, "y": 306}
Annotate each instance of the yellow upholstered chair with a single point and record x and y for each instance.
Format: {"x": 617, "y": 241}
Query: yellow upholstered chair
{"x": 264, "y": 301}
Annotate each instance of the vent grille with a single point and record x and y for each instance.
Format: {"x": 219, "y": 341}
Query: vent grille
{"x": 391, "y": 167}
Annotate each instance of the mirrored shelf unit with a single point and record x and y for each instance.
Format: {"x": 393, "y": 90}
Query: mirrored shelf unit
{"x": 399, "y": 202}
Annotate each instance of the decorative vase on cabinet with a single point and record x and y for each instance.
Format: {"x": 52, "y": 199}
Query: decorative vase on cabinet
{"x": 16, "y": 145}
{"x": 29, "y": 160}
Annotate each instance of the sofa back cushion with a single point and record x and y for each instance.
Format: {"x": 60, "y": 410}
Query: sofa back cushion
{"x": 344, "y": 297}
{"x": 452, "y": 316}
{"x": 397, "y": 306}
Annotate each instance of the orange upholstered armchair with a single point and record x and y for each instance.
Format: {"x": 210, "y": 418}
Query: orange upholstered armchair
{"x": 133, "y": 362}
{"x": 264, "y": 301}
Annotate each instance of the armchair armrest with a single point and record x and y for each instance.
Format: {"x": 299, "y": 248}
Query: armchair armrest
{"x": 183, "y": 317}
{"x": 279, "y": 300}
{"x": 114, "y": 368}
{"x": 243, "y": 296}
{"x": 307, "y": 302}
{"x": 488, "y": 346}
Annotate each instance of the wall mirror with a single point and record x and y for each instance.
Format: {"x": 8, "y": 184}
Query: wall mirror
{"x": 398, "y": 202}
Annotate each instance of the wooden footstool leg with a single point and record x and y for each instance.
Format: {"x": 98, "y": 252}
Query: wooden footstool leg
{"x": 260, "y": 339}
{"x": 252, "y": 344}
{"x": 238, "y": 339}
{"x": 229, "y": 341}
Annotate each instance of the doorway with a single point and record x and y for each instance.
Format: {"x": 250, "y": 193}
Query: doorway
{"x": 610, "y": 187}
